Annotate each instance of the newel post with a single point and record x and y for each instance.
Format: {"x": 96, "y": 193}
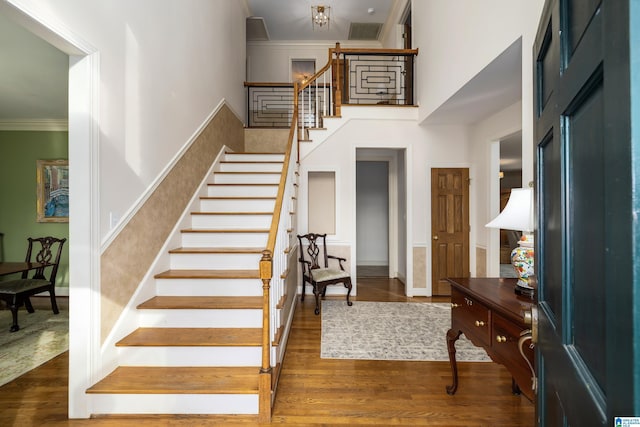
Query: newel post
{"x": 266, "y": 272}
{"x": 338, "y": 97}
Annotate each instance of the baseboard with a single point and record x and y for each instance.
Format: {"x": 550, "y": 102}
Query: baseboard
{"x": 421, "y": 292}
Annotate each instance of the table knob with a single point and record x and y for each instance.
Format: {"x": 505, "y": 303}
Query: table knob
{"x": 479, "y": 323}
{"x": 501, "y": 338}
{"x": 454, "y": 305}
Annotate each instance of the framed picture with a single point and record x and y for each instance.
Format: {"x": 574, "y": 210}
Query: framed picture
{"x": 52, "y": 180}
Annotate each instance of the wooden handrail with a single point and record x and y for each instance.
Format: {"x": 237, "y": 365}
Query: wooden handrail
{"x": 398, "y": 52}
{"x": 266, "y": 274}
{"x": 303, "y": 86}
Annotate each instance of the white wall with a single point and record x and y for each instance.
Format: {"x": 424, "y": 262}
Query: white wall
{"x": 427, "y": 147}
{"x": 391, "y": 36}
{"x": 164, "y": 67}
{"x": 271, "y": 61}
{"x": 484, "y": 148}
{"x": 459, "y": 38}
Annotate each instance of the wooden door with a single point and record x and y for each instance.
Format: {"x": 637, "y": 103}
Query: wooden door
{"x": 449, "y": 226}
{"x": 587, "y": 233}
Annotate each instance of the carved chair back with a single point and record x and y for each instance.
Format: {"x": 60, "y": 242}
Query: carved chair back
{"x": 48, "y": 251}
{"x": 315, "y": 247}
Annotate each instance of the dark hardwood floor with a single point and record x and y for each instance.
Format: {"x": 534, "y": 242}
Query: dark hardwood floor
{"x": 314, "y": 391}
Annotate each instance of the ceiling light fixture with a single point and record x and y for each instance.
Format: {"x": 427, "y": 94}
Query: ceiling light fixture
{"x": 320, "y": 16}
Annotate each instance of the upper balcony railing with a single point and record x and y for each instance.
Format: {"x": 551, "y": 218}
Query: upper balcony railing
{"x": 350, "y": 77}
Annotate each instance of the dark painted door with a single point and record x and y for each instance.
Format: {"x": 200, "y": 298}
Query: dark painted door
{"x": 587, "y": 237}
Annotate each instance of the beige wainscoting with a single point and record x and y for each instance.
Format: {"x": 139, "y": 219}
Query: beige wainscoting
{"x": 127, "y": 259}
{"x": 266, "y": 140}
{"x": 481, "y": 262}
{"x": 419, "y": 267}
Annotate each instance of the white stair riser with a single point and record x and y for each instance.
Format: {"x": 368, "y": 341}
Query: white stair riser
{"x": 251, "y": 167}
{"x": 230, "y": 222}
{"x": 214, "y": 261}
{"x": 237, "y": 205}
{"x": 204, "y": 318}
{"x": 242, "y": 190}
{"x": 190, "y": 356}
{"x": 209, "y": 287}
{"x": 246, "y": 178}
{"x": 174, "y": 404}
{"x": 216, "y": 240}
{"x": 254, "y": 157}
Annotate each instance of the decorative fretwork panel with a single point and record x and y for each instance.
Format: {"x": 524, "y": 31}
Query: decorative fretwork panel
{"x": 270, "y": 106}
{"x": 377, "y": 79}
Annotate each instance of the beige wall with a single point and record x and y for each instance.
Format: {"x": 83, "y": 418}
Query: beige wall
{"x": 125, "y": 262}
{"x": 266, "y": 140}
{"x": 481, "y": 262}
{"x": 419, "y": 267}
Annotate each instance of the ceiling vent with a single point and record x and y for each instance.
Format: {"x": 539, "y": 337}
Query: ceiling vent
{"x": 364, "y": 30}
{"x": 256, "y": 29}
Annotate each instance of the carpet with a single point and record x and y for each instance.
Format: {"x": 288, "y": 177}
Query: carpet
{"x": 42, "y": 336}
{"x": 391, "y": 331}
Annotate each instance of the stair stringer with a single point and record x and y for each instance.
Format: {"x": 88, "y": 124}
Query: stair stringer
{"x": 129, "y": 319}
{"x": 353, "y": 112}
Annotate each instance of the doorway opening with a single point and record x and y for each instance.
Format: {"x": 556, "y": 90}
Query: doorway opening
{"x": 381, "y": 213}
{"x": 372, "y": 225}
{"x": 510, "y": 177}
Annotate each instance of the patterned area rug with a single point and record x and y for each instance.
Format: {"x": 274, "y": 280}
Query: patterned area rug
{"x": 391, "y": 331}
{"x": 42, "y": 336}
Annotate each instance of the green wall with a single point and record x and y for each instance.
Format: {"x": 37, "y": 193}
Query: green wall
{"x": 19, "y": 151}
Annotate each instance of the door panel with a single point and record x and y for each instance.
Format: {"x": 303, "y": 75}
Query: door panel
{"x": 449, "y": 226}
{"x": 584, "y": 184}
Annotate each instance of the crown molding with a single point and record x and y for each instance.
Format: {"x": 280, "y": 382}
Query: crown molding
{"x": 42, "y": 125}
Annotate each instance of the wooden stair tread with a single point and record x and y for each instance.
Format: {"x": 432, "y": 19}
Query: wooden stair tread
{"x": 225, "y": 250}
{"x": 193, "y": 337}
{"x": 231, "y": 213}
{"x": 224, "y": 230}
{"x": 240, "y": 183}
{"x": 179, "y": 380}
{"x": 209, "y": 274}
{"x": 235, "y": 162}
{"x": 199, "y": 302}
{"x": 250, "y": 172}
{"x": 237, "y": 198}
{"x": 256, "y": 152}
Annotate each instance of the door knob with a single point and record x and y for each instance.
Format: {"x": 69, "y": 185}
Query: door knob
{"x": 435, "y": 237}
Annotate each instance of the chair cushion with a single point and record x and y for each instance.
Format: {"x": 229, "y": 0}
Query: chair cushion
{"x": 323, "y": 274}
{"x": 21, "y": 285}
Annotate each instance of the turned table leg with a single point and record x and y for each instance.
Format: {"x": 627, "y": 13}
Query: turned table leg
{"x": 452, "y": 337}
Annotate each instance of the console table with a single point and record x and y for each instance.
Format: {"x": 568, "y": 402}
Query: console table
{"x": 491, "y": 316}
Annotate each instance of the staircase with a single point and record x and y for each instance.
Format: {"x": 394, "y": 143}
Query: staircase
{"x": 198, "y": 345}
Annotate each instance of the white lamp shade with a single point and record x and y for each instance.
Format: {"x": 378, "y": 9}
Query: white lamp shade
{"x": 518, "y": 214}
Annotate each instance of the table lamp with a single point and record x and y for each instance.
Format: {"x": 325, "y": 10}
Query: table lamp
{"x": 518, "y": 215}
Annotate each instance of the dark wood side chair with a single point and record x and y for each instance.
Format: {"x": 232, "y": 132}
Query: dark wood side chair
{"x": 17, "y": 292}
{"x": 314, "y": 261}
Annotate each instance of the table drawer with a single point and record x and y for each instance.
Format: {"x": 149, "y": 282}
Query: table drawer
{"x": 471, "y": 317}
{"x": 505, "y": 336}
